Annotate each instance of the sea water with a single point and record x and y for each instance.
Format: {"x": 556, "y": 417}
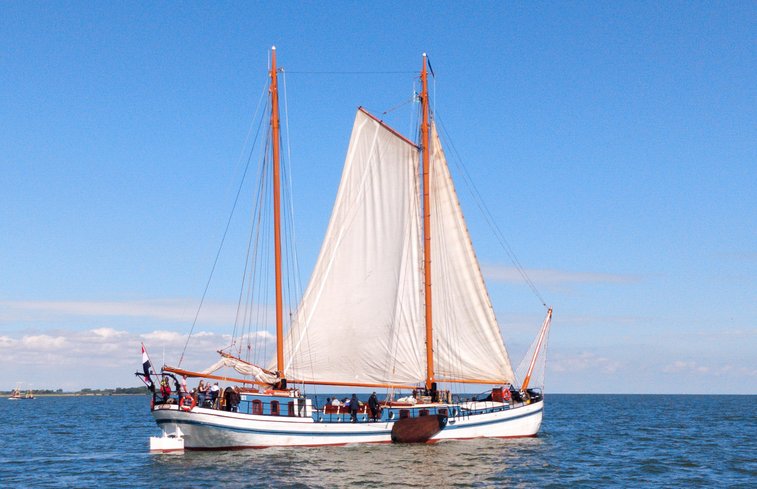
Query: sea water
{"x": 585, "y": 441}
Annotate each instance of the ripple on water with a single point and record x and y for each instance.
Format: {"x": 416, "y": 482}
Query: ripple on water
{"x": 586, "y": 441}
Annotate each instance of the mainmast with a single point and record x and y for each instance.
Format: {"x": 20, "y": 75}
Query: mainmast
{"x": 427, "y": 226}
{"x": 275, "y": 128}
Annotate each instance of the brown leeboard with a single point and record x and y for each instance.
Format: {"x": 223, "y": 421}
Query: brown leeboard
{"x": 419, "y": 429}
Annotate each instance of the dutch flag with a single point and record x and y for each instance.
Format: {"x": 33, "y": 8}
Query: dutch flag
{"x": 147, "y": 368}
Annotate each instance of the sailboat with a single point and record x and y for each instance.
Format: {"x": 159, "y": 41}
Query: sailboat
{"x": 396, "y": 301}
{"x": 16, "y": 394}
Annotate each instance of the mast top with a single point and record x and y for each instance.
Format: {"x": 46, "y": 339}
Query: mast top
{"x": 273, "y": 48}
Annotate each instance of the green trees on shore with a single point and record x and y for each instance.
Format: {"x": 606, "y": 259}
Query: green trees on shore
{"x": 87, "y": 391}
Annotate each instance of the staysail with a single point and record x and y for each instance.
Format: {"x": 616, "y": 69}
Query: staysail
{"x": 358, "y": 321}
{"x": 468, "y": 345}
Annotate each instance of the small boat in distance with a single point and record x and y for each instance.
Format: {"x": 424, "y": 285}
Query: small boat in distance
{"x": 378, "y": 313}
{"x": 17, "y": 395}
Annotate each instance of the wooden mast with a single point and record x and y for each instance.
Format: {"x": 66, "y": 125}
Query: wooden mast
{"x": 427, "y": 226}
{"x": 275, "y": 128}
{"x": 542, "y": 335}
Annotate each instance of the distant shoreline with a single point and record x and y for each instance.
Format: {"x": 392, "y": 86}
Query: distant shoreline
{"x": 73, "y": 394}
{"x": 109, "y": 394}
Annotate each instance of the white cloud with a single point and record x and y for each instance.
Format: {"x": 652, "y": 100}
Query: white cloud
{"x": 692, "y": 367}
{"x": 110, "y": 348}
{"x": 108, "y": 333}
{"x": 584, "y": 361}
{"x": 685, "y": 366}
{"x": 504, "y": 274}
{"x": 171, "y": 310}
{"x": 42, "y": 342}
{"x": 165, "y": 337}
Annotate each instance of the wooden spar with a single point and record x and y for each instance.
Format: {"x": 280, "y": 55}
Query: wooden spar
{"x": 542, "y": 335}
{"x": 354, "y": 384}
{"x": 277, "y": 214}
{"x": 427, "y": 227}
{"x": 189, "y": 373}
{"x": 474, "y": 381}
{"x": 387, "y": 127}
{"x": 226, "y": 355}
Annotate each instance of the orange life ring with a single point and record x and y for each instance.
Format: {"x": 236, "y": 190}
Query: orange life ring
{"x": 187, "y": 406}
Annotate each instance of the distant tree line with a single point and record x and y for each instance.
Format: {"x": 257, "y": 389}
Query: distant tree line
{"x": 88, "y": 391}
{"x": 117, "y": 390}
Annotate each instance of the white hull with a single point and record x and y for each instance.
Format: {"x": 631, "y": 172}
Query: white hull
{"x": 213, "y": 429}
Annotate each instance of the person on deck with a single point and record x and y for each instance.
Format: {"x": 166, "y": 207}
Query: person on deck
{"x": 201, "y": 393}
{"x": 373, "y": 405}
{"x": 354, "y": 408}
{"x": 236, "y": 398}
{"x": 165, "y": 389}
{"x": 228, "y": 395}
{"x": 335, "y": 402}
{"x": 214, "y": 392}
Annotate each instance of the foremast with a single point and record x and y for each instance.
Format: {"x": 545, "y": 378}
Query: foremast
{"x": 275, "y": 130}
{"x": 427, "y": 226}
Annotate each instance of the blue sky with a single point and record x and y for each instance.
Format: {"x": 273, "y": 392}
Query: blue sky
{"x": 615, "y": 144}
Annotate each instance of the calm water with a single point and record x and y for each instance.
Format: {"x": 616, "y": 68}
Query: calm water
{"x": 586, "y": 441}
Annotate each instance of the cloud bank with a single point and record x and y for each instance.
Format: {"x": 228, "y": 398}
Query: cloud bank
{"x": 504, "y": 274}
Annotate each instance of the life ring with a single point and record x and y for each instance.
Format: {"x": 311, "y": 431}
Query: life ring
{"x": 187, "y": 403}
{"x": 506, "y": 395}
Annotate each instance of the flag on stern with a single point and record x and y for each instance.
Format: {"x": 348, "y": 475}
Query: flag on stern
{"x": 147, "y": 368}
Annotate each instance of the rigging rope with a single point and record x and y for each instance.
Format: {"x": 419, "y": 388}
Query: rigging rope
{"x": 490, "y": 218}
{"x": 225, "y": 232}
{"x": 295, "y": 290}
{"x": 399, "y": 106}
{"x": 352, "y": 72}
{"x": 258, "y": 202}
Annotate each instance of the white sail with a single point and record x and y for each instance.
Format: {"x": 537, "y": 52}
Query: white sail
{"x": 360, "y": 319}
{"x": 243, "y": 368}
{"x": 467, "y": 341}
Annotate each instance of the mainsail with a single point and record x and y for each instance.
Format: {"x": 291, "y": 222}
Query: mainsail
{"x": 361, "y": 317}
{"x": 358, "y": 321}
